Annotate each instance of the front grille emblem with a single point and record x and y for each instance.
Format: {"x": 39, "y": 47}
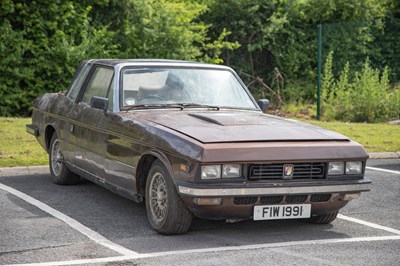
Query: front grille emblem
{"x": 288, "y": 171}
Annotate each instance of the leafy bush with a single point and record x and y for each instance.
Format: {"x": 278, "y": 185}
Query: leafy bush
{"x": 42, "y": 42}
{"x": 360, "y": 97}
{"x": 282, "y": 34}
{"x": 40, "y": 46}
{"x": 299, "y": 92}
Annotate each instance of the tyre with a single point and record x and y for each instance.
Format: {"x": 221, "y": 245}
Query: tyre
{"x": 166, "y": 211}
{"x": 324, "y": 218}
{"x": 60, "y": 174}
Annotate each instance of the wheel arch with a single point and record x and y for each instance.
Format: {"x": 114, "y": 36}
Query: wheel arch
{"x": 48, "y": 134}
{"x": 144, "y": 165}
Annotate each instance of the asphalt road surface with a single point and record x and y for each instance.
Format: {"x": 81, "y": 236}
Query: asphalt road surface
{"x": 45, "y": 224}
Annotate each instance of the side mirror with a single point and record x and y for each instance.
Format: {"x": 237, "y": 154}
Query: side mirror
{"x": 263, "y": 104}
{"x": 99, "y": 103}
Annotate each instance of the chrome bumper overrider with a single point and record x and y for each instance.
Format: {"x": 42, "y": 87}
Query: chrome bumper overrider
{"x": 276, "y": 190}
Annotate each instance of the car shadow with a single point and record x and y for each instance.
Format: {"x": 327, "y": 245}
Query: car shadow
{"x": 125, "y": 222}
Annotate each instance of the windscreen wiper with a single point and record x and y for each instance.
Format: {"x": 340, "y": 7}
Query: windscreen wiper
{"x": 171, "y": 105}
{"x": 196, "y": 105}
{"x": 153, "y": 106}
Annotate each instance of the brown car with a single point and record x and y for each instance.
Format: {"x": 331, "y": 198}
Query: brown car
{"x": 189, "y": 139}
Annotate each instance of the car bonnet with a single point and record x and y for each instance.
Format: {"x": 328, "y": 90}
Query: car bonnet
{"x": 237, "y": 126}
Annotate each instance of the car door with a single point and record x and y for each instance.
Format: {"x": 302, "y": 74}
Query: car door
{"x": 122, "y": 153}
{"x": 89, "y": 127}
{"x": 69, "y": 130}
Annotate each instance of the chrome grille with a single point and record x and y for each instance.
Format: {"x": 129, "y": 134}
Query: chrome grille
{"x": 288, "y": 199}
{"x": 275, "y": 171}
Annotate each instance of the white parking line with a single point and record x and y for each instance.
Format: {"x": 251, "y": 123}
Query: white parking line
{"x": 96, "y": 237}
{"x": 376, "y": 226}
{"x": 131, "y": 255}
{"x": 383, "y": 170}
{"x": 217, "y": 249}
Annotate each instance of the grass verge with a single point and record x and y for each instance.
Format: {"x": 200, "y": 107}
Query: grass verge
{"x": 18, "y": 148}
{"x": 374, "y": 137}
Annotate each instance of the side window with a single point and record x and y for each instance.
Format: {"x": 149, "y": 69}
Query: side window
{"x": 99, "y": 84}
{"x": 78, "y": 81}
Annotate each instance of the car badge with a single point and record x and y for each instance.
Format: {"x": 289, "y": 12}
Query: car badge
{"x": 288, "y": 170}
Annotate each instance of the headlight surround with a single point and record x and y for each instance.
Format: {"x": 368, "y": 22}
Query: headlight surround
{"x": 354, "y": 168}
{"x": 336, "y": 168}
{"x": 231, "y": 170}
{"x": 345, "y": 168}
{"x": 217, "y": 171}
{"x": 211, "y": 171}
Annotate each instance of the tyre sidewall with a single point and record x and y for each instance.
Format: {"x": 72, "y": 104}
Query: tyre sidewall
{"x": 157, "y": 168}
{"x": 172, "y": 199}
{"x": 65, "y": 177}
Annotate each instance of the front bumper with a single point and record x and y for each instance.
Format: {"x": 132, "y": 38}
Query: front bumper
{"x": 193, "y": 190}
{"x": 238, "y": 200}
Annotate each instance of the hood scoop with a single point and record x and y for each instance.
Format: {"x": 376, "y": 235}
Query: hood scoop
{"x": 226, "y": 119}
{"x": 207, "y": 119}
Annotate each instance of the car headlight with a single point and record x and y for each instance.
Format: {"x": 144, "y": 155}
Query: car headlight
{"x": 336, "y": 168}
{"x": 211, "y": 171}
{"x": 348, "y": 168}
{"x": 353, "y": 168}
{"x": 231, "y": 170}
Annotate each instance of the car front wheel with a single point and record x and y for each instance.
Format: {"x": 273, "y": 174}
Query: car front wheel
{"x": 324, "y": 218}
{"x": 60, "y": 174}
{"x": 166, "y": 211}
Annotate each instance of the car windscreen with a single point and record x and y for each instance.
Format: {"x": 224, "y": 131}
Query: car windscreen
{"x": 190, "y": 86}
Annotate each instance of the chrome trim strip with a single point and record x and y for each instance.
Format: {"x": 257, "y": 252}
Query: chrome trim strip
{"x": 220, "y": 192}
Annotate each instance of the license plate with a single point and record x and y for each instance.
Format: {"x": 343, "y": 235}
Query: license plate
{"x": 274, "y": 212}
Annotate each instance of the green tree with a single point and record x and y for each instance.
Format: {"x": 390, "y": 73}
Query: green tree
{"x": 282, "y": 33}
{"x": 43, "y": 41}
{"x": 162, "y": 29}
{"x": 41, "y": 44}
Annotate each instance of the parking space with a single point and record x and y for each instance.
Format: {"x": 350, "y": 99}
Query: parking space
{"x": 86, "y": 224}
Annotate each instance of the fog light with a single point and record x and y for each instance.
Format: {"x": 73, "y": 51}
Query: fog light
{"x": 352, "y": 196}
{"x": 353, "y": 168}
{"x": 336, "y": 168}
{"x": 207, "y": 201}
